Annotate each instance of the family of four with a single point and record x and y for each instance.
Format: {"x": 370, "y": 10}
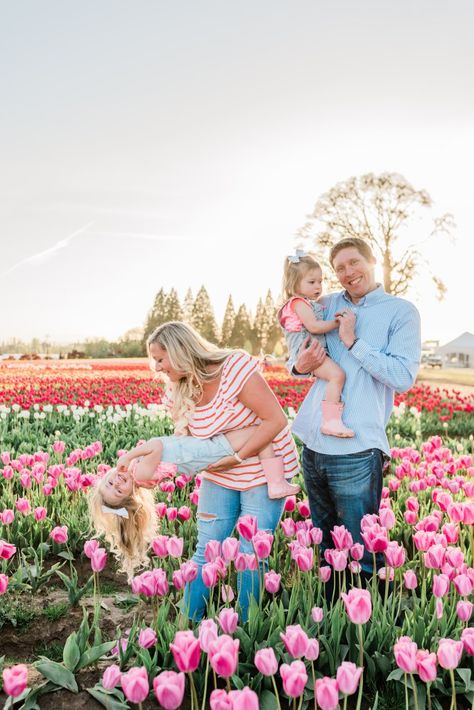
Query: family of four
{"x": 361, "y": 344}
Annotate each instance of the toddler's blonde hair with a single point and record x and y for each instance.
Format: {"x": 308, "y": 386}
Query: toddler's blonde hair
{"x": 293, "y": 272}
{"x": 191, "y": 354}
{"x": 128, "y": 538}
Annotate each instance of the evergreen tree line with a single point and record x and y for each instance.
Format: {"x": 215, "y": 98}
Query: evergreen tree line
{"x": 239, "y": 329}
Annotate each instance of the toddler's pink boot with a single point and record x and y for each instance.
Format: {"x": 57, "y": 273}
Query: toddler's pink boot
{"x": 332, "y": 423}
{"x": 278, "y": 486}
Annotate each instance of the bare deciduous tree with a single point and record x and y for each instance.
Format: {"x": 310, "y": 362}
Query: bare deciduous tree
{"x": 379, "y": 209}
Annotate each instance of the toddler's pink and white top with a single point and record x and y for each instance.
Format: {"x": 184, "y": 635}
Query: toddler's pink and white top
{"x": 226, "y": 412}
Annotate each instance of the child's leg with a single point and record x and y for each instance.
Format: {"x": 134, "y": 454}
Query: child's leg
{"x": 331, "y": 406}
{"x": 278, "y": 486}
{"x": 335, "y": 378}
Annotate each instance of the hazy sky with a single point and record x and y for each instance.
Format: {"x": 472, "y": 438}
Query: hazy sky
{"x": 180, "y": 143}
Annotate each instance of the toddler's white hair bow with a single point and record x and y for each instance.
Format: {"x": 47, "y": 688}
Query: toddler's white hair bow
{"x": 295, "y": 258}
{"x": 121, "y": 512}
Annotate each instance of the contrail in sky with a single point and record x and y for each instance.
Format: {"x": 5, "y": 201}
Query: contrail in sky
{"x": 47, "y": 253}
{"x": 63, "y": 243}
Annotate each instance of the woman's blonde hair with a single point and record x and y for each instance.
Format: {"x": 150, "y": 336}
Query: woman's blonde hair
{"x": 190, "y": 354}
{"x": 294, "y": 268}
{"x": 128, "y": 538}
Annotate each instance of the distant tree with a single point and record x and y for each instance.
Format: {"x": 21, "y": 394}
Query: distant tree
{"x": 130, "y": 344}
{"x": 203, "y": 318}
{"x": 157, "y": 315}
{"x": 260, "y": 328}
{"x": 228, "y": 323}
{"x": 377, "y": 208}
{"x": 173, "y": 309}
{"x": 242, "y": 331}
{"x": 188, "y": 306}
{"x": 96, "y": 348}
{"x": 274, "y": 333}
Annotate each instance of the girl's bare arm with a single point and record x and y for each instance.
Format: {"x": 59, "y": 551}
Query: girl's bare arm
{"x": 311, "y": 323}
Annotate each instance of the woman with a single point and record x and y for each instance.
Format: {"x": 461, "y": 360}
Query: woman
{"x": 213, "y": 391}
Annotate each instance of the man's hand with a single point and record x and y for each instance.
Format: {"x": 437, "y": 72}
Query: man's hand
{"x": 347, "y": 322}
{"x": 310, "y": 356}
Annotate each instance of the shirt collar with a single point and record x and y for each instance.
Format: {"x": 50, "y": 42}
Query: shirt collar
{"x": 369, "y": 299}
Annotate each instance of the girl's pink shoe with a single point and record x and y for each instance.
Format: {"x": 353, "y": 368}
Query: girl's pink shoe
{"x": 332, "y": 423}
{"x": 278, "y": 486}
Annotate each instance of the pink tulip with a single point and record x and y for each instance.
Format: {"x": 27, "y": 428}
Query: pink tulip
{"x": 111, "y": 677}
{"x": 178, "y": 579}
{"x": 262, "y": 544}
{"x": 209, "y": 574}
{"x": 212, "y": 550}
{"x": 317, "y": 614}
{"x": 449, "y": 653}
{"x": 304, "y": 558}
{"x": 159, "y": 545}
{"x": 186, "y": 651}
{"x": 40, "y": 513}
{"x": 228, "y": 620}
{"x": 135, "y": 684}
{"x": 327, "y": 693}
{"x": 220, "y": 700}
{"x": 426, "y": 666}
{"x": 7, "y": 550}
{"x": 169, "y": 689}
{"x": 247, "y": 526}
{"x": 23, "y": 505}
{"x": 312, "y": 650}
{"x": 240, "y": 562}
{"x": 387, "y": 518}
{"x": 303, "y": 508}
{"x": 15, "y": 680}
{"x": 98, "y": 559}
{"x": 266, "y": 662}
{"x": 357, "y": 551}
{"x": 288, "y": 526}
{"x": 463, "y": 585}
{"x": 272, "y": 581}
{"x": 395, "y": 554}
{"x": 375, "y": 538}
{"x": 358, "y": 605}
{"x": 175, "y": 546}
{"x": 7, "y": 517}
{"x": 467, "y": 638}
{"x": 245, "y": 699}
{"x": 325, "y": 574}
{"x": 171, "y": 513}
{"x": 90, "y": 546}
{"x": 208, "y": 632}
{"x": 440, "y": 585}
{"x": 348, "y": 676}
{"x": 161, "y": 509}
{"x": 59, "y": 446}
{"x": 3, "y": 583}
{"x": 190, "y": 570}
{"x": 184, "y": 512}
{"x": 464, "y": 610}
{"x": 296, "y": 640}
{"x": 410, "y": 579}
{"x": 341, "y": 537}
{"x": 405, "y": 654}
{"x": 294, "y": 677}
{"x": 147, "y": 638}
{"x": 454, "y": 556}
{"x": 59, "y": 534}
{"x": 290, "y": 504}
{"x": 223, "y": 655}
{"x": 227, "y": 593}
{"x": 230, "y": 548}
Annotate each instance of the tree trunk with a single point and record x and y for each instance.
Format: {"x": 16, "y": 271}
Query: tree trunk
{"x": 387, "y": 271}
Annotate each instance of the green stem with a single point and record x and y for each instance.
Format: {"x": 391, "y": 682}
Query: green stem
{"x": 415, "y": 693}
{"x": 453, "y": 701}
{"x": 204, "y": 694}
{"x": 277, "y": 694}
{"x": 406, "y": 692}
{"x": 428, "y": 693}
{"x": 361, "y": 664}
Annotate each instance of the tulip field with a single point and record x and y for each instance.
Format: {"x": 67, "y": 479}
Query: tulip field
{"x": 76, "y": 633}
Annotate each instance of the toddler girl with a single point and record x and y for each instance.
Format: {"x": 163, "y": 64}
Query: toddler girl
{"x": 122, "y": 507}
{"x": 301, "y": 316}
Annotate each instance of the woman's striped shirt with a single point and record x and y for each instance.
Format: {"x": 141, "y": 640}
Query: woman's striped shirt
{"x": 226, "y": 412}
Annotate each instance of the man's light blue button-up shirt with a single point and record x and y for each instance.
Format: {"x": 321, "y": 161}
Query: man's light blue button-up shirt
{"x": 385, "y": 359}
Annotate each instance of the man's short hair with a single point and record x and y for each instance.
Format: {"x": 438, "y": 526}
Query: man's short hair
{"x": 360, "y": 244}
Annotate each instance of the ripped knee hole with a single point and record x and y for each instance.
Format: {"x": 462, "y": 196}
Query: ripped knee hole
{"x": 207, "y": 516}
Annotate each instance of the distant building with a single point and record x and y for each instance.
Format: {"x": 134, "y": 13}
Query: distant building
{"x": 458, "y": 352}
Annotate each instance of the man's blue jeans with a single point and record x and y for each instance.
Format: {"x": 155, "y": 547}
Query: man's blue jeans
{"x": 341, "y": 490}
{"x": 219, "y": 509}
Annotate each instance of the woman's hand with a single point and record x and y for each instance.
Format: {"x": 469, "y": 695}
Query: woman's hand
{"x": 223, "y": 464}
{"x": 123, "y": 463}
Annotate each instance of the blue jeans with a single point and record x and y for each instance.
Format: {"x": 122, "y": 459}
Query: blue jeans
{"x": 226, "y": 507}
{"x": 341, "y": 490}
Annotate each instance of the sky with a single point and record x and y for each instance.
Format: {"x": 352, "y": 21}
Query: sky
{"x": 173, "y": 144}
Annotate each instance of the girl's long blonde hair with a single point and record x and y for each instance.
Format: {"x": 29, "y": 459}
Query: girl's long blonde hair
{"x": 191, "y": 354}
{"x": 128, "y": 538}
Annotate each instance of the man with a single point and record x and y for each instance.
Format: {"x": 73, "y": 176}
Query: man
{"x": 378, "y": 346}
